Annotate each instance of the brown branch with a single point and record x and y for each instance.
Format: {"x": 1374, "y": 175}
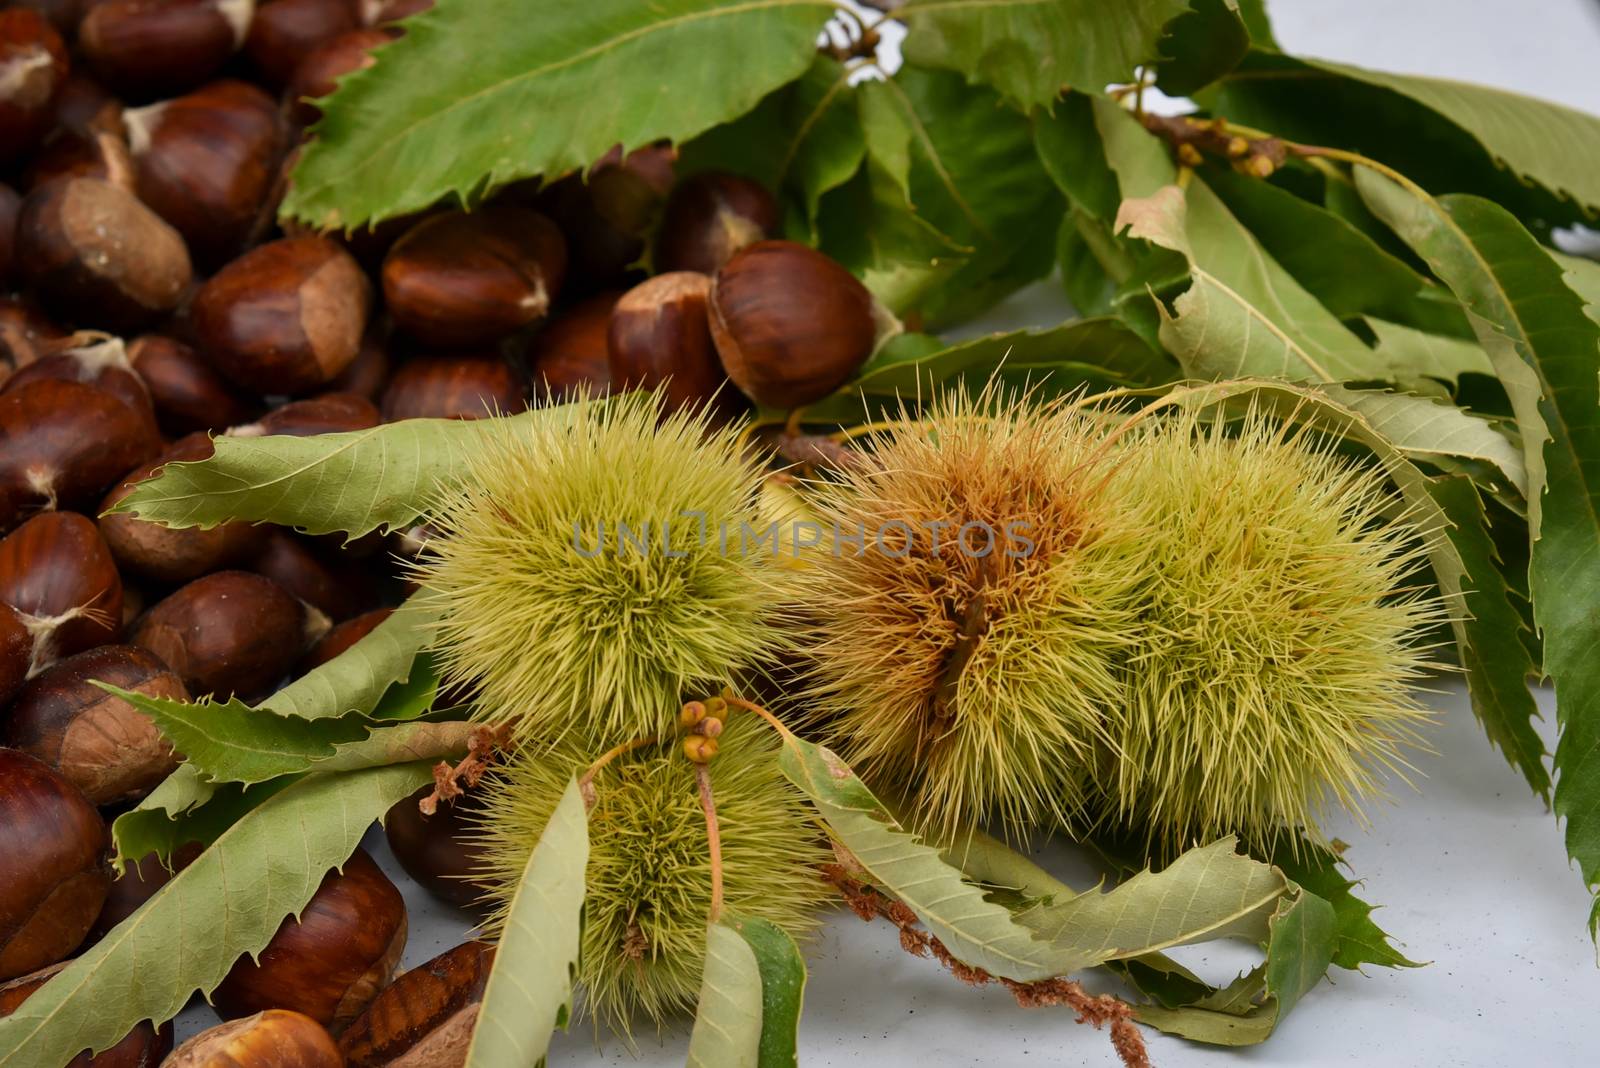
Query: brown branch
{"x": 709, "y": 806}
{"x": 1096, "y": 1009}
{"x": 1194, "y": 139}
{"x": 482, "y": 744}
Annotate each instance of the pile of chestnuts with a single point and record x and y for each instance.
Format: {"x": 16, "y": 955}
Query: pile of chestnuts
{"x": 150, "y": 300}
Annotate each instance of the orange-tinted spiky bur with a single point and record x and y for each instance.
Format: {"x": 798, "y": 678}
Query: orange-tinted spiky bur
{"x": 975, "y": 685}
{"x": 1283, "y": 633}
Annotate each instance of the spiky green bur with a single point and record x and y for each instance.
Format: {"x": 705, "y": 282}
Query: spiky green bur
{"x": 556, "y": 635}
{"x": 649, "y": 874}
{"x": 1283, "y": 635}
{"x": 975, "y": 685}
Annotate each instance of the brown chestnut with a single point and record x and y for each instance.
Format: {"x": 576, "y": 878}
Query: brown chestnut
{"x": 25, "y": 333}
{"x": 58, "y": 574}
{"x": 10, "y": 206}
{"x": 331, "y": 962}
{"x": 98, "y": 742}
{"x": 336, "y": 586}
{"x": 440, "y": 851}
{"x": 606, "y": 213}
{"x": 64, "y": 15}
{"x": 139, "y": 882}
{"x": 86, "y": 108}
{"x": 100, "y": 361}
{"x": 53, "y": 873}
{"x": 276, "y": 1038}
{"x": 341, "y": 637}
{"x": 143, "y": 1047}
{"x": 426, "y": 1017}
{"x": 285, "y": 317}
{"x": 151, "y": 48}
{"x": 330, "y": 413}
{"x": 368, "y": 373}
{"x": 319, "y": 73}
{"x": 709, "y": 217}
{"x": 660, "y": 337}
{"x": 174, "y": 554}
{"x": 284, "y": 32}
{"x": 229, "y": 633}
{"x": 790, "y": 324}
{"x": 188, "y": 395}
{"x": 96, "y": 255}
{"x": 453, "y": 387}
{"x": 16, "y": 652}
{"x": 205, "y": 162}
{"x": 33, "y": 67}
{"x": 570, "y": 355}
{"x": 473, "y": 278}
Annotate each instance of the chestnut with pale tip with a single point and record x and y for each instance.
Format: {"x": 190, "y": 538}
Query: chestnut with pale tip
{"x": 57, "y": 572}
{"x": 425, "y": 1019}
{"x": 709, "y": 217}
{"x": 285, "y": 317}
{"x": 143, "y": 1047}
{"x": 472, "y": 278}
{"x": 33, "y": 67}
{"x": 151, "y": 48}
{"x": 99, "y": 742}
{"x": 187, "y": 393}
{"x": 453, "y": 387}
{"x": 660, "y": 337}
{"x": 53, "y": 871}
{"x": 98, "y": 360}
{"x": 277, "y": 1038}
{"x": 333, "y": 960}
{"x": 790, "y": 324}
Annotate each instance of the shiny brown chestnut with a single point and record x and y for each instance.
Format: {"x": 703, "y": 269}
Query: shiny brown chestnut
{"x": 790, "y": 324}
{"x": 319, "y": 72}
{"x": 329, "y": 413}
{"x": 16, "y": 652}
{"x": 10, "y": 207}
{"x": 229, "y": 633}
{"x": 368, "y": 373}
{"x": 62, "y": 443}
{"x": 143, "y": 1047}
{"x": 205, "y": 162}
{"x": 341, "y": 637}
{"x": 139, "y": 882}
{"x": 87, "y": 109}
{"x": 66, "y": 155}
{"x": 188, "y": 395}
{"x": 330, "y": 582}
{"x": 438, "y": 851}
{"x": 606, "y": 213}
{"x": 453, "y": 387}
{"x": 53, "y": 873}
{"x": 173, "y": 554}
{"x": 97, "y": 256}
{"x": 331, "y": 962}
{"x": 64, "y": 15}
{"x": 473, "y": 278}
{"x": 426, "y": 1016}
{"x": 97, "y": 741}
{"x": 286, "y": 317}
{"x": 570, "y": 355}
{"x": 145, "y": 49}
{"x": 276, "y": 1038}
{"x": 58, "y": 574}
{"x": 709, "y": 217}
{"x": 33, "y": 67}
{"x": 660, "y": 338}
{"x": 25, "y": 333}
{"x": 284, "y": 32}
{"x": 100, "y": 361}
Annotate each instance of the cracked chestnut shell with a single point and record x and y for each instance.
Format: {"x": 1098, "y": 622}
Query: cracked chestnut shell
{"x": 151, "y": 48}
{"x": 97, "y": 741}
{"x": 286, "y": 317}
{"x": 277, "y": 1038}
{"x": 790, "y": 324}
{"x": 709, "y": 217}
{"x": 56, "y": 571}
{"x": 472, "y": 278}
{"x": 427, "y": 1016}
{"x": 53, "y": 873}
{"x": 331, "y": 962}
{"x": 143, "y": 1047}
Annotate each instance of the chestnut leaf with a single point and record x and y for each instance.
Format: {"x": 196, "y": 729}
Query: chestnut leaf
{"x": 727, "y": 1025}
{"x": 479, "y": 93}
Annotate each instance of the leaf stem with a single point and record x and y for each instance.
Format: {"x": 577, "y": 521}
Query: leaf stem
{"x": 751, "y": 706}
{"x": 708, "y": 805}
{"x": 586, "y": 780}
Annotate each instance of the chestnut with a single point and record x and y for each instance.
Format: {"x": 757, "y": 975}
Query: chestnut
{"x": 284, "y": 32}
{"x": 53, "y": 872}
{"x": 319, "y": 72}
{"x": 86, "y": 109}
{"x": 188, "y": 395}
{"x": 33, "y": 67}
{"x": 10, "y": 206}
{"x": 100, "y": 361}
{"x": 58, "y": 574}
{"x": 276, "y": 1038}
{"x": 440, "y": 851}
{"x": 139, "y": 882}
{"x": 16, "y": 652}
{"x": 473, "y": 278}
{"x": 143, "y": 1047}
{"x": 606, "y": 213}
{"x": 151, "y": 48}
{"x": 62, "y": 443}
{"x": 98, "y": 742}
{"x": 173, "y": 554}
{"x": 453, "y": 387}
{"x": 791, "y": 325}
{"x": 95, "y": 254}
{"x": 709, "y": 217}
{"x": 205, "y": 162}
{"x": 660, "y": 337}
{"x": 64, "y": 15}
{"x": 336, "y": 587}
{"x": 285, "y": 317}
{"x": 426, "y": 1015}
{"x": 333, "y": 960}
{"x": 25, "y": 333}
{"x": 229, "y": 633}
{"x": 340, "y": 637}
{"x": 368, "y": 373}
{"x": 570, "y": 354}
{"x": 329, "y": 413}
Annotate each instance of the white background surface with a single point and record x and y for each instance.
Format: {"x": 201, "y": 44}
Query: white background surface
{"x": 1471, "y": 869}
